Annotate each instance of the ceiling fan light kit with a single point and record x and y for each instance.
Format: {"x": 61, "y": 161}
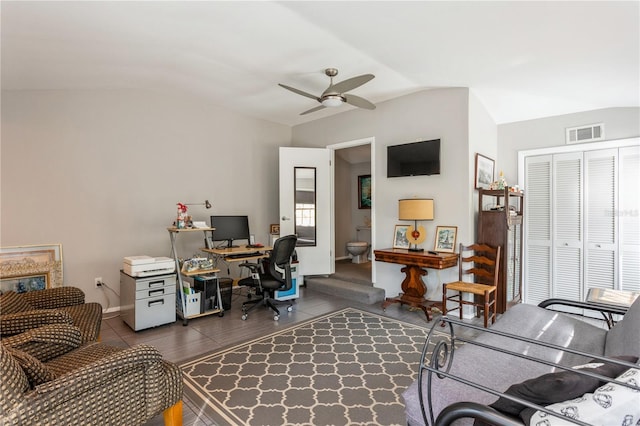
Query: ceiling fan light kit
{"x": 332, "y": 100}
{"x": 335, "y": 95}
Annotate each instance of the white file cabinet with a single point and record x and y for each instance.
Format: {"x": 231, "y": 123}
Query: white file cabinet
{"x": 147, "y": 301}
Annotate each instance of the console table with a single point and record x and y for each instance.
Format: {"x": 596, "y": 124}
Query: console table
{"x": 413, "y": 288}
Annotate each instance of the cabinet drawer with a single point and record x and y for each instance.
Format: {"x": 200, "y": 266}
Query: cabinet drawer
{"x": 154, "y": 311}
{"x": 155, "y": 292}
{"x": 155, "y": 282}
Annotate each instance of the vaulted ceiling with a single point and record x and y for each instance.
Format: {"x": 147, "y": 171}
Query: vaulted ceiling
{"x": 523, "y": 60}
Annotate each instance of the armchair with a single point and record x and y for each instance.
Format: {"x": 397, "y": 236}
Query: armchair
{"x": 20, "y": 312}
{"x": 48, "y": 378}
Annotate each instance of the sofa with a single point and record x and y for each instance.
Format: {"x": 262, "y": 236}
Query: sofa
{"x": 50, "y": 377}
{"x": 20, "y": 312}
{"x": 502, "y": 371}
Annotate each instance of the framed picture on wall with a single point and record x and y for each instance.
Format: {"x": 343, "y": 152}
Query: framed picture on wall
{"x": 400, "y": 240}
{"x": 446, "y": 239}
{"x": 364, "y": 191}
{"x": 484, "y": 171}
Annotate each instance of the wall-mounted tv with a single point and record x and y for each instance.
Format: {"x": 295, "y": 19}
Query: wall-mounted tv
{"x": 414, "y": 159}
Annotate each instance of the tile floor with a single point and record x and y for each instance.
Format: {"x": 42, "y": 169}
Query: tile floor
{"x": 206, "y": 334}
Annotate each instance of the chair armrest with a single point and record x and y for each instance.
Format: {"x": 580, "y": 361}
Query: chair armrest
{"x": 46, "y": 342}
{"x": 598, "y": 307}
{"x": 20, "y": 322}
{"x": 484, "y": 413}
{"x": 101, "y": 372}
{"x": 52, "y": 298}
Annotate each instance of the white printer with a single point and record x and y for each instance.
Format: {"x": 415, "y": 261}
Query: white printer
{"x": 146, "y": 266}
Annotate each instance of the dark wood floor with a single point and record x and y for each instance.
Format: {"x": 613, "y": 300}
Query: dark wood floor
{"x": 206, "y": 334}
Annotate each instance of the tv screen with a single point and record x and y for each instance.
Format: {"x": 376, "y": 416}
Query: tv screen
{"x": 414, "y": 159}
{"x": 230, "y": 228}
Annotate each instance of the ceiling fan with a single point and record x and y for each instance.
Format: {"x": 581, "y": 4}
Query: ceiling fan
{"x": 335, "y": 95}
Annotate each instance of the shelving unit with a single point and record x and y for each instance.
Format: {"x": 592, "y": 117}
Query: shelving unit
{"x": 181, "y": 300}
{"x": 500, "y": 224}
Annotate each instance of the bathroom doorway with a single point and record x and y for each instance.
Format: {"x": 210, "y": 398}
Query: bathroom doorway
{"x": 353, "y": 219}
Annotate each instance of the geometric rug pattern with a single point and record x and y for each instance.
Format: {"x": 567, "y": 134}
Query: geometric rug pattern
{"x": 347, "y": 367}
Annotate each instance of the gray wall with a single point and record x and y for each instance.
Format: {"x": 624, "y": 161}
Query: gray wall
{"x": 619, "y": 123}
{"x": 431, "y": 114}
{"x": 101, "y": 172}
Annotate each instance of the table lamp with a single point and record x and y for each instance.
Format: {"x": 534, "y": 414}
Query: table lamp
{"x": 415, "y": 209}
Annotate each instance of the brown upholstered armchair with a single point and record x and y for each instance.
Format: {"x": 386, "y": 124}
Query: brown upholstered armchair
{"x": 48, "y": 377}
{"x": 20, "y": 312}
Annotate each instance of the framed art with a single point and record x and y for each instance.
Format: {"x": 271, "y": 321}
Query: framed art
{"x": 27, "y": 268}
{"x": 274, "y": 229}
{"x": 484, "y": 171}
{"x": 364, "y": 191}
{"x": 446, "y": 239}
{"x": 400, "y": 240}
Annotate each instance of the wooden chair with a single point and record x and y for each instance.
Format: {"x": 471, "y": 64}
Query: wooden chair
{"x": 483, "y": 262}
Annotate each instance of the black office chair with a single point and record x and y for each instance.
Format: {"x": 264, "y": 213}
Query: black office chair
{"x": 276, "y": 277}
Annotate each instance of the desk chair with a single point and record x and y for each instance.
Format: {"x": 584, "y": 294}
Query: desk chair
{"x": 483, "y": 262}
{"x": 276, "y": 277}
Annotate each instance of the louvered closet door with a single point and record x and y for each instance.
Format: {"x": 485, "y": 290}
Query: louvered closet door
{"x": 600, "y": 218}
{"x": 567, "y": 226}
{"x": 537, "y": 280}
{"x": 629, "y": 218}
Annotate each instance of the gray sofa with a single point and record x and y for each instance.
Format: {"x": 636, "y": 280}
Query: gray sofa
{"x": 499, "y": 370}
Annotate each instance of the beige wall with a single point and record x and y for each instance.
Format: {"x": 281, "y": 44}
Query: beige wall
{"x": 101, "y": 172}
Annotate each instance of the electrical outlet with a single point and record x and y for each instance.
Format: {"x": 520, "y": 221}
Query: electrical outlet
{"x": 98, "y": 282}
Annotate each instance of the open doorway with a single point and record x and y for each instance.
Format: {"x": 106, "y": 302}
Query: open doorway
{"x": 353, "y": 215}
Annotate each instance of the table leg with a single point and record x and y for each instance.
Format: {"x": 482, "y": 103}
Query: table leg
{"x": 413, "y": 291}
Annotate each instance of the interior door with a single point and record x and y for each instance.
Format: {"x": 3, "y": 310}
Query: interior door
{"x": 304, "y": 170}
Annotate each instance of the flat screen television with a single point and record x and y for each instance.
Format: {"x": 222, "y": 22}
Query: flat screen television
{"x": 230, "y": 228}
{"x": 414, "y": 159}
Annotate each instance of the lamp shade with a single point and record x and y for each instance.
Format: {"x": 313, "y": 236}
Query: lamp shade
{"x": 415, "y": 209}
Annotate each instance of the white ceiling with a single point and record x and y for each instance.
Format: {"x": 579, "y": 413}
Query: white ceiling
{"x": 523, "y": 60}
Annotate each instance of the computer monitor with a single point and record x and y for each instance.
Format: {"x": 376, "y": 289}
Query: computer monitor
{"x": 230, "y": 228}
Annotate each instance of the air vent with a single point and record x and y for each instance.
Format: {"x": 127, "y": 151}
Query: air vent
{"x": 590, "y": 133}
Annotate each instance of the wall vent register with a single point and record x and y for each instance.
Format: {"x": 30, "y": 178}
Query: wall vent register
{"x": 589, "y": 133}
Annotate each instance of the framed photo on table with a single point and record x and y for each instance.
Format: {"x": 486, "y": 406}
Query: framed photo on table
{"x": 484, "y": 171}
{"x": 364, "y": 191}
{"x": 446, "y": 239}
{"x": 400, "y": 240}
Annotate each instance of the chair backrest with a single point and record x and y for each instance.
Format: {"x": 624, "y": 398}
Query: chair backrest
{"x": 480, "y": 260}
{"x": 281, "y": 257}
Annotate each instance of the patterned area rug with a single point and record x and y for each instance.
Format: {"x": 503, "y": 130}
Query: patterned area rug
{"x": 348, "y": 367}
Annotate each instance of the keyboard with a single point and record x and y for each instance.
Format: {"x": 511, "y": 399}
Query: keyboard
{"x": 242, "y": 255}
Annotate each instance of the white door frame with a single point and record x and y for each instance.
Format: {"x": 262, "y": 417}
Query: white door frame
{"x": 371, "y": 141}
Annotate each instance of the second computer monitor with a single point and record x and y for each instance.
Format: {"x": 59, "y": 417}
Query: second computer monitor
{"x": 230, "y": 228}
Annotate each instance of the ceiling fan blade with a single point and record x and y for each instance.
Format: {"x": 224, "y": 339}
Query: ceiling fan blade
{"x": 349, "y": 84}
{"x": 299, "y": 92}
{"x": 318, "y": 108}
{"x": 358, "y": 101}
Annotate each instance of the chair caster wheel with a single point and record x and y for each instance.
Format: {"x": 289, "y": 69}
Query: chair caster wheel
{"x": 276, "y": 317}
{"x": 244, "y": 317}
{"x": 289, "y": 308}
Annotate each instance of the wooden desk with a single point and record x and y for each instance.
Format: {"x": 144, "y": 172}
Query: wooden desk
{"x": 223, "y": 253}
{"x": 413, "y": 288}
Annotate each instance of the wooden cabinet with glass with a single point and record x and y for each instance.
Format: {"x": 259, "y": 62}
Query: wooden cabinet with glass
{"x": 500, "y": 218}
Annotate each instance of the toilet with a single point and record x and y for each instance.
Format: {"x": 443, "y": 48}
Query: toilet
{"x": 359, "y": 251}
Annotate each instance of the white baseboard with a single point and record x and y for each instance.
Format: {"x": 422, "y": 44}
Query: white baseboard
{"x": 114, "y": 309}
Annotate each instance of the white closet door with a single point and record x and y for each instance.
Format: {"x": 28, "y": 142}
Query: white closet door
{"x": 600, "y": 218}
{"x": 629, "y": 218}
{"x": 567, "y": 226}
{"x": 537, "y": 280}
